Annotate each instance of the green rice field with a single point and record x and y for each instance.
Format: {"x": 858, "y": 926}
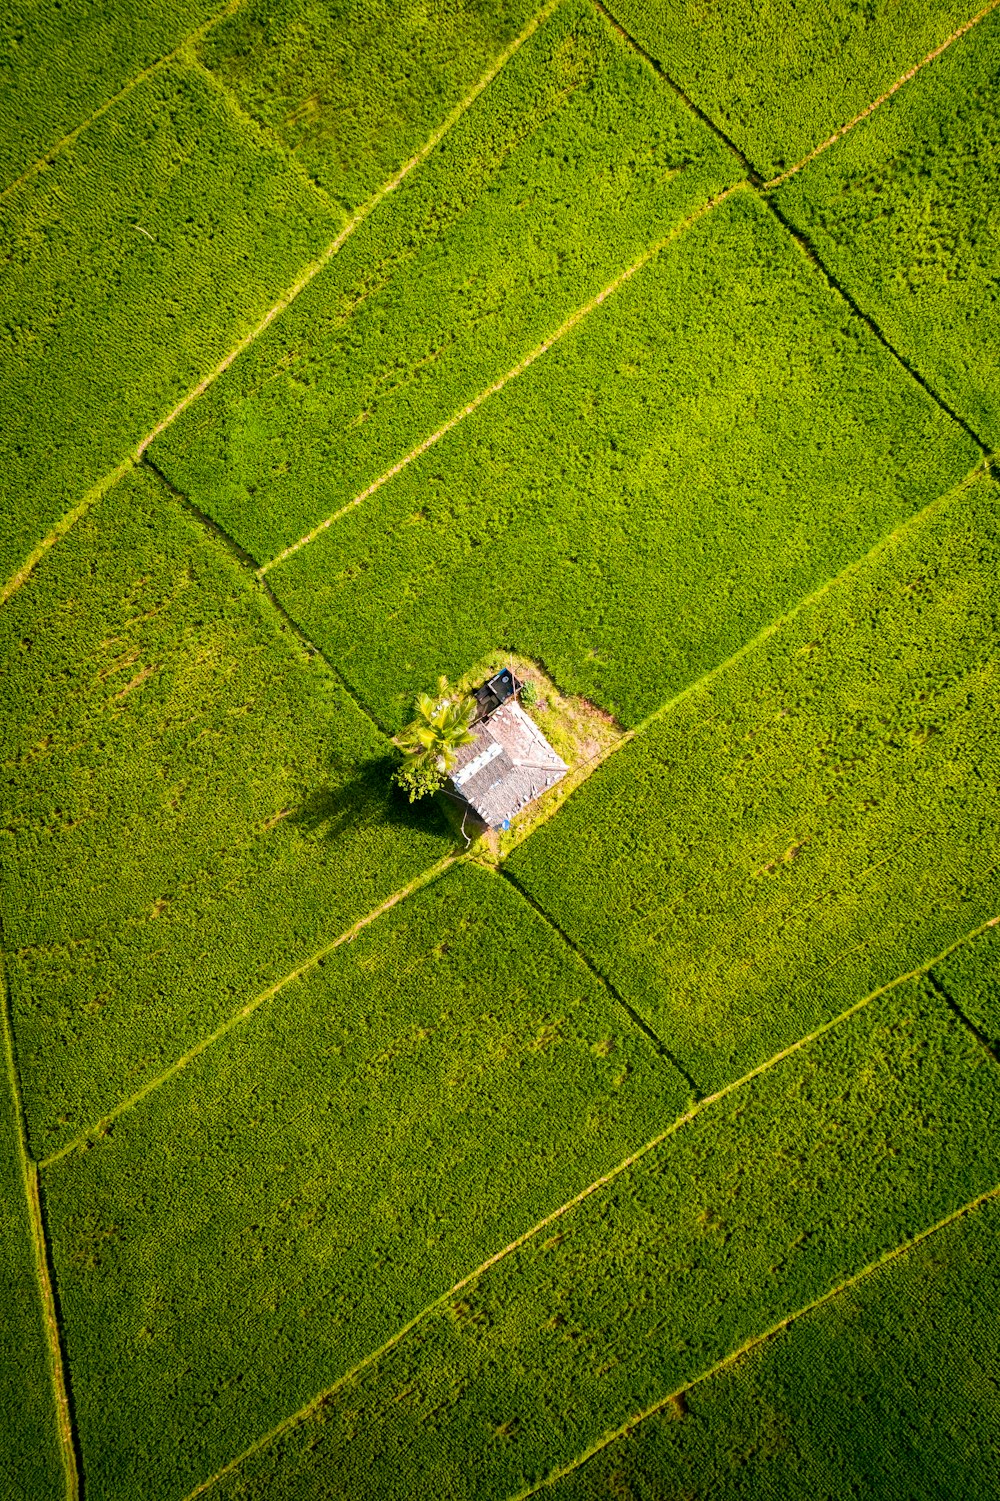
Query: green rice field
{"x": 649, "y": 1151}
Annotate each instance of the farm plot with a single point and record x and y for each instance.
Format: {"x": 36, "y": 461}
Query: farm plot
{"x": 779, "y": 79}
{"x": 970, "y": 979}
{"x": 904, "y": 212}
{"x": 710, "y": 444}
{"x": 133, "y": 264}
{"x": 29, "y": 1454}
{"x": 191, "y": 806}
{"x": 810, "y": 1414}
{"x": 764, "y": 1202}
{"x": 278, "y": 1210}
{"x": 60, "y": 60}
{"x": 572, "y": 164}
{"x": 812, "y": 821}
{"x": 355, "y": 91}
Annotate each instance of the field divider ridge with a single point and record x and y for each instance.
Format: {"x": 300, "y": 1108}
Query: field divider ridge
{"x": 43, "y": 1267}
{"x": 753, "y": 176}
{"x": 316, "y": 1402}
{"x": 944, "y": 995}
{"x": 813, "y": 256}
{"x": 193, "y": 37}
{"x": 566, "y": 327}
{"x": 629, "y": 1426}
{"x": 639, "y": 1022}
{"x": 189, "y": 57}
{"x": 99, "y": 1127}
{"x": 241, "y": 556}
{"x": 869, "y": 109}
{"x": 283, "y": 302}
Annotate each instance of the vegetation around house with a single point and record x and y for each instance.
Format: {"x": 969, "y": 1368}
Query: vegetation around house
{"x": 650, "y": 1147}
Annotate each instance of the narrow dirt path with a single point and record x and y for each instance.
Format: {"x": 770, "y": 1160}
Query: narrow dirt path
{"x": 869, "y": 109}
{"x": 36, "y": 1226}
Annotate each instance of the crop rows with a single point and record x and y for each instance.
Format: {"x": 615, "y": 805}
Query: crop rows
{"x": 569, "y": 167}
{"x": 306, "y": 1187}
{"x": 780, "y": 78}
{"x": 138, "y": 259}
{"x": 63, "y": 60}
{"x": 191, "y": 806}
{"x": 354, "y": 90}
{"x": 809, "y": 1413}
{"x": 904, "y": 212}
{"x": 808, "y": 823}
{"x": 765, "y": 1202}
{"x": 718, "y": 438}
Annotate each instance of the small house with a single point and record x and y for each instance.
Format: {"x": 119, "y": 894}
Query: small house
{"x": 509, "y": 762}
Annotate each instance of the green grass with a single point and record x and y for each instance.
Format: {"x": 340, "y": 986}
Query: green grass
{"x": 60, "y": 60}
{"x": 766, "y": 1201}
{"x": 104, "y": 328}
{"x": 445, "y": 1080}
{"x": 572, "y": 163}
{"x": 890, "y": 1390}
{"x": 718, "y": 438}
{"x": 355, "y": 91}
{"x": 780, "y": 77}
{"x": 191, "y": 805}
{"x": 29, "y": 1450}
{"x": 903, "y": 210}
{"x": 813, "y": 821}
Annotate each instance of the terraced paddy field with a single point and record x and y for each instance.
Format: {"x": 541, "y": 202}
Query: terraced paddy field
{"x": 650, "y": 1150}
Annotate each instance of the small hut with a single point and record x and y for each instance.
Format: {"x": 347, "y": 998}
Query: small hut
{"x": 509, "y": 762}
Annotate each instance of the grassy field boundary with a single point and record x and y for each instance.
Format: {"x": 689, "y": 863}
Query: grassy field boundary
{"x": 869, "y": 109}
{"x": 425, "y": 878}
{"x": 756, "y": 1341}
{"x": 43, "y": 1274}
{"x": 277, "y": 308}
{"x": 316, "y": 1402}
{"x": 497, "y": 386}
{"x": 188, "y": 41}
{"x": 62, "y": 526}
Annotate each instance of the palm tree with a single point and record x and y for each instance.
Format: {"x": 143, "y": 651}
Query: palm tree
{"x": 430, "y": 744}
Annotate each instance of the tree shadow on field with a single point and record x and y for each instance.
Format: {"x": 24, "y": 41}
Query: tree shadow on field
{"x": 364, "y": 800}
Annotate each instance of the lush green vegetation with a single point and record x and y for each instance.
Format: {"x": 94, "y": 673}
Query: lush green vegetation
{"x": 343, "y": 1152}
{"x": 142, "y": 255}
{"x": 355, "y": 91}
{"x": 717, "y": 439}
{"x": 903, "y": 210}
{"x": 566, "y": 170}
{"x": 191, "y": 805}
{"x": 766, "y": 1201}
{"x": 809, "y": 823}
{"x": 60, "y": 60}
{"x": 29, "y": 1451}
{"x": 781, "y": 77}
{"x": 853, "y": 1400}
{"x": 445, "y": 1081}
